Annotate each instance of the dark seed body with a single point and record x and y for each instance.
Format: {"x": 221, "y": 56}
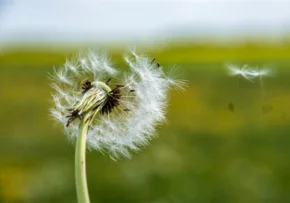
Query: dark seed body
{"x": 112, "y": 100}
{"x": 86, "y": 86}
{"x": 73, "y": 115}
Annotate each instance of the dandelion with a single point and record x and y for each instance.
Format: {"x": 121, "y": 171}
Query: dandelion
{"x": 113, "y": 115}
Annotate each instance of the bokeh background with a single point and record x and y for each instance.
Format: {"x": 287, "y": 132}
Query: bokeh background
{"x": 226, "y": 139}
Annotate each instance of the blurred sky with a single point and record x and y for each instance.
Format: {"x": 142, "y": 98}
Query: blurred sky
{"x": 24, "y": 21}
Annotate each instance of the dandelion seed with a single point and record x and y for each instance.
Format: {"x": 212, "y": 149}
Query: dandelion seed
{"x": 60, "y": 76}
{"x": 248, "y": 73}
{"x": 240, "y": 71}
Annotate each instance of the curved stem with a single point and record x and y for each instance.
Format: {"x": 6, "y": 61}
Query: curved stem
{"x": 80, "y": 162}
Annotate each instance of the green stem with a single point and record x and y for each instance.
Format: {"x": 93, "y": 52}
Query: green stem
{"x": 80, "y": 162}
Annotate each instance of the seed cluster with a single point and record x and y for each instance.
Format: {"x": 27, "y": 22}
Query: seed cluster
{"x": 112, "y": 100}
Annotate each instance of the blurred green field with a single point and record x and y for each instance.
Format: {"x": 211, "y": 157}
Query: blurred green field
{"x": 205, "y": 153}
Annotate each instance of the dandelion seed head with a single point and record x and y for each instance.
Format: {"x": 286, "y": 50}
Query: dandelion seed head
{"x": 124, "y": 111}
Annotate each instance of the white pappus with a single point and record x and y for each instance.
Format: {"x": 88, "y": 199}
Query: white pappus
{"x": 123, "y": 109}
{"x": 248, "y": 73}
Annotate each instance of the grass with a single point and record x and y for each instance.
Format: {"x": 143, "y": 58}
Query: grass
{"x": 206, "y": 153}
